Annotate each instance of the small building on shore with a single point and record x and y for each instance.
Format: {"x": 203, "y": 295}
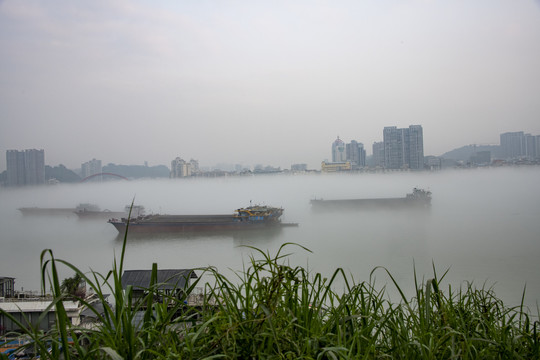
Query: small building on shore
{"x": 171, "y": 282}
{"x": 336, "y": 166}
{"x": 28, "y": 312}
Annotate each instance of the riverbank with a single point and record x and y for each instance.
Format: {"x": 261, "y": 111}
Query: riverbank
{"x": 273, "y": 310}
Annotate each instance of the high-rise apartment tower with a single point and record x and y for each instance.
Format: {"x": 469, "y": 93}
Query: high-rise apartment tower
{"x": 355, "y": 153}
{"x": 403, "y": 148}
{"x": 90, "y": 168}
{"x": 25, "y": 167}
{"x": 338, "y": 151}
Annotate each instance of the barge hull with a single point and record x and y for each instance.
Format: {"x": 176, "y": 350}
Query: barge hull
{"x": 365, "y": 203}
{"x": 250, "y": 218}
{"x": 188, "y": 227}
{"x": 99, "y": 214}
{"x": 417, "y": 199}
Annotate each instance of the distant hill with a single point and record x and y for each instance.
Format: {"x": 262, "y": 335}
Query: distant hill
{"x": 61, "y": 173}
{"x": 137, "y": 171}
{"x": 464, "y": 153}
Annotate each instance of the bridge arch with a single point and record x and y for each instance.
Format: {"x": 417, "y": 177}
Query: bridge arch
{"x": 104, "y": 174}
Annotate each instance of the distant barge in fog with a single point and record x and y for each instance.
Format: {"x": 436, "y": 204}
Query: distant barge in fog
{"x": 418, "y": 198}
{"x": 93, "y": 212}
{"x": 249, "y": 218}
{"x": 46, "y": 211}
{"x": 55, "y": 211}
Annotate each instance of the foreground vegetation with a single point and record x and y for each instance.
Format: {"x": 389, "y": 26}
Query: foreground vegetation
{"x": 274, "y": 310}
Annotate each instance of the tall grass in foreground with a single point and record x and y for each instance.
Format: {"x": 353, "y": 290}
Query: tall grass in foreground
{"x": 274, "y": 310}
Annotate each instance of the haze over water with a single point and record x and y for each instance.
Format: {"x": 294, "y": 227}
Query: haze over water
{"x": 483, "y": 225}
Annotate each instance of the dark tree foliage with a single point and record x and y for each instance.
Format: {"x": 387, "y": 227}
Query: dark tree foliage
{"x": 464, "y": 153}
{"x": 73, "y": 286}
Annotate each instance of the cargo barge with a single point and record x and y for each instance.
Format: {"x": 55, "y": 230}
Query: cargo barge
{"x": 249, "y": 218}
{"x": 37, "y": 211}
{"x": 419, "y": 198}
{"x": 94, "y": 212}
{"x": 56, "y": 211}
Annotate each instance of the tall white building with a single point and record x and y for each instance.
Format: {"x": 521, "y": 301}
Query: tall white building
{"x": 90, "y": 168}
{"x": 181, "y": 168}
{"x": 25, "y": 167}
{"x": 338, "y": 151}
{"x": 378, "y": 154}
{"x": 416, "y": 147}
{"x": 403, "y": 148}
{"x": 356, "y": 154}
{"x": 513, "y": 144}
{"x": 517, "y": 144}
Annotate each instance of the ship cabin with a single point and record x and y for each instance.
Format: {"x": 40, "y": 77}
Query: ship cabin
{"x": 259, "y": 214}
{"x": 420, "y": 195}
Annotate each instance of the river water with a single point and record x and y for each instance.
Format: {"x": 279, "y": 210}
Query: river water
{"x": 483, "y": 227}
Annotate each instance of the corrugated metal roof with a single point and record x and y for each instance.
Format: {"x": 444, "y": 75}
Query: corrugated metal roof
{"x": 34, "y": 306}
{"x": 98, "y": 307}
{"x": 168, "y": 279}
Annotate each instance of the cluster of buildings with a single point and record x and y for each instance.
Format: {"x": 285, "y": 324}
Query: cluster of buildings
{"x": 26, "y": 167}
{"x": 37, "y": 311}
{"x": 518, "y": 145}
{"x": 181, "y": 168}
{"x": 401, "y": 149}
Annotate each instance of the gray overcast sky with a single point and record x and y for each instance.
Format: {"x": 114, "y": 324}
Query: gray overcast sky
{"x": 269, "y": 82}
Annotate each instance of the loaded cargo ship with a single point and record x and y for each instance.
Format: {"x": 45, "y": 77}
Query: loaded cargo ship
{"x": 419, "y": 198}
{"x": 248, "y": 218}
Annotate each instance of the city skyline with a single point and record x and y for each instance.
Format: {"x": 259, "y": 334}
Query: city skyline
{"x": 400, "y": 149}
{"x": 268, "y": 82}
{"x": 78, "y": 164}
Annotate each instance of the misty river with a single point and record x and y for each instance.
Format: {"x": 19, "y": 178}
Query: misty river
{"x": 483, "y": 226}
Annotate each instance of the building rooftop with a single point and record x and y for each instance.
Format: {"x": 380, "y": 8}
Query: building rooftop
{"x": 168, "y": 279}
{"x": 34, "y": 306}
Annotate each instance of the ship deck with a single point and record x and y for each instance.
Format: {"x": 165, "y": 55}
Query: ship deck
{"x": 185, "y": 219}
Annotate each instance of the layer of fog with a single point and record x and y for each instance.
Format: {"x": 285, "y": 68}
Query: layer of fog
{"x": 483, "y": 226}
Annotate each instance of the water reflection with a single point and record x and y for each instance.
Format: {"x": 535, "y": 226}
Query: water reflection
{"x": 249, "y": 236}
